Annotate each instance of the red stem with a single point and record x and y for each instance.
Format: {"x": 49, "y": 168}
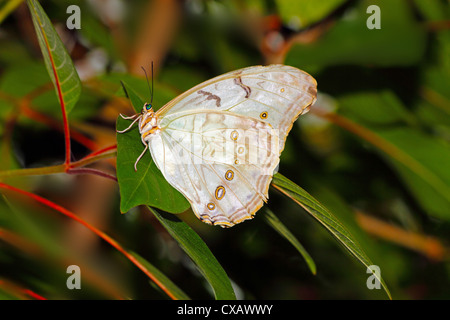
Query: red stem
{"x": 91, "y": 171}
{"x": 19, "y": 289}
{"x": 100, "y": 151}
{"x": 61, "y": 102}
{"x": 34, "y": 295}
{"x": 67, "y": 137}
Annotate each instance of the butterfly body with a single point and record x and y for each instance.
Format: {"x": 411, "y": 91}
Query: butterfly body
{"x": 148, "y": 123}
{"x": 219, "y": 143}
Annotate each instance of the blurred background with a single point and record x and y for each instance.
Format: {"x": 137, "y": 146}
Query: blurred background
{"x": 374, "y": 149}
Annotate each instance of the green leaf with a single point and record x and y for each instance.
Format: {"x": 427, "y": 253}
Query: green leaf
{"x": 434, "y": 108}
{"x": 18, "y": 80}
{"x": 58, "y": 62}
{"x": 421, "y": 159}
{"x": 301, "y": 13}
{"x": 275, "y": 223}
{"x": 380, "y": 108}
{"x": 400, "y": 41}
{"x": 322, "y": 215}
{"x": 422, "y": 163}
{"x": 433, "y": 10}
{"x": 170, "y": 286}
{"x": 21, "y": 79}
{"x": 199, "y": 252}
{"x": 147, "y": 185}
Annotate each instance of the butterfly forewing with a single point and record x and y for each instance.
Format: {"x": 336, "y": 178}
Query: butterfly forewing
{"x": 276, "y": 94}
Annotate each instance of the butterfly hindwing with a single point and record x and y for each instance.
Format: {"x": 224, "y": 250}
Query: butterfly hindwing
{"x": 220, "y": 161}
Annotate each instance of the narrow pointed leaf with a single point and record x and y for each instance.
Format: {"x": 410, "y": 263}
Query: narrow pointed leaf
{"x": 135, "y": 99}
{"x": 420, "y": 158}
{"x": 199, "y": 252}
{"x": 58, "y": 62}
{"x": 322, "y": 215}
{"x": 275, "y": 223}
{"x": 422, "y": 162}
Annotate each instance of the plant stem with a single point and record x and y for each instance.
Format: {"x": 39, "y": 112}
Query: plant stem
{"x": 33, "y": 171}
{"x": 91, "y": 171}
{"x": 95, "y": 156}
{"x": 61, "y": 168}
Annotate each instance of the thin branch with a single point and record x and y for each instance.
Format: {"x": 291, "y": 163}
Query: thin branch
{"x": 61, "y": 168}
{"x": 107, "y": 152}
{"x": 436, "y": 99}
{"x": 427, "y": 245}
{"x": 436, "y": 26}
{"x": 91, "y": 171}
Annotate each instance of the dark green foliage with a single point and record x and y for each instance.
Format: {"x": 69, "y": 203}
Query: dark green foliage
{"x": 373, "y": 151}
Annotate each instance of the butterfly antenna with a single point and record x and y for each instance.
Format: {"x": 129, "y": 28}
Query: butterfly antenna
{"x": 148, "y": 83}
{"x": 151, "y": 101}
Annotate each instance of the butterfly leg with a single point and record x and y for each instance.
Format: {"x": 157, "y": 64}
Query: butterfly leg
{"x": 139, "y": 158}
{"x": 129, "y": 127}
{"x": 130, "y": 117}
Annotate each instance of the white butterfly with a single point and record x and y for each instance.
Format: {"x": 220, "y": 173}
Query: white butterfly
{"x": 219, "y": 143}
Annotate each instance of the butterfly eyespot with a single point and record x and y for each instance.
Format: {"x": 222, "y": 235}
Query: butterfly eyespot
{"x": 241, "y": 150}
{"x": 236, "y": 161}
{"x": 229, "y": 175}
{"x": 211, "y": 206}
{"x": 234, "y": 135}
{"x": 220, "y": 192}
{"x": 282, "y": 90}
{"x": 264, "y": 115}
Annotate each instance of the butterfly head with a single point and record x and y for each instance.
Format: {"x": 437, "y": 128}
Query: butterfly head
{"x": 148, "y": 122}
{"x": 147, "y": 108}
